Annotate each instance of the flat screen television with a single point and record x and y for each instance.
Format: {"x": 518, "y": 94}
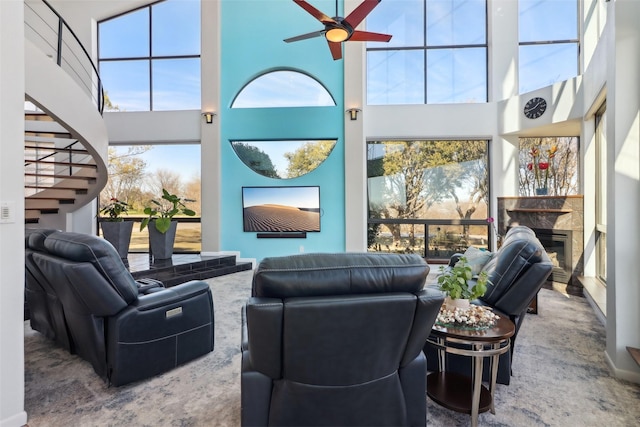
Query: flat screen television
{"x": 281, "y": 209}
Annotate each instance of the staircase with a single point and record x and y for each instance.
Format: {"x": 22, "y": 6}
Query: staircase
{"x": 58, "y": 168}
{"x": 65, "y": 143}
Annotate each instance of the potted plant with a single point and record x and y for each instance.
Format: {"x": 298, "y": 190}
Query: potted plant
{"x": 457, "y": 283}
{"x": 115, "y": 229}
{"x": 162, "y": 232}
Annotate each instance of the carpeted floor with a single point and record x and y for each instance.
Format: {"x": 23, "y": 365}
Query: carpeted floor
{"x": 560, "y": 377}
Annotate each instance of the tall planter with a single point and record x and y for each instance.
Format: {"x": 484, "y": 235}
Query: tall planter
{"x": 161, "y": 244}
{"x": 118, "y": 234}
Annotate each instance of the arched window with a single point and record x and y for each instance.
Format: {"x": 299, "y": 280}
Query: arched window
{"x": 283, "y": 88}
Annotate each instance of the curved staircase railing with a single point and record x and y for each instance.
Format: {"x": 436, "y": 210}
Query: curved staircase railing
{"x": 61, "y": 173}
{"x": 48, "y": 30}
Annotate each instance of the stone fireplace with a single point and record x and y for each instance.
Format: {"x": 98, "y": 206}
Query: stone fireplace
{"x": 558, "y": 223}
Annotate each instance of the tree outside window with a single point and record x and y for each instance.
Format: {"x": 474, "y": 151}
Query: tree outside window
{"x": 427, "y": 180}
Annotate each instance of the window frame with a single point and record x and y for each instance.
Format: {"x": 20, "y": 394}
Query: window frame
{"x": 150, "y": 58}
{"x": 425, "y": 48}
{"x": 575, "y": 41}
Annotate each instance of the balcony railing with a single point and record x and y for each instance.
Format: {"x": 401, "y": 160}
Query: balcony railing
{"x": 46, "y": 28}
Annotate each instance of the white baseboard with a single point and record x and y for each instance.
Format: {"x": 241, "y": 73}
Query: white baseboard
{"x": 17, "y": 420}
{"x": 623, "y": 374}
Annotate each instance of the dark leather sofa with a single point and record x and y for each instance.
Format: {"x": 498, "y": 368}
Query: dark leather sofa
{"x": 46, "y": 314}
{"x": 336, "y": 339}
{"x": 516, "y": 272}
{"x": 81, "y": 295}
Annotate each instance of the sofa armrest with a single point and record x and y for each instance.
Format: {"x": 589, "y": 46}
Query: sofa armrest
{"x": 244, "y": 333}
{"x": 454, "y": 259}
{"x": 413, "y": 378}
{"x": 427, "y": 308}
{"x": 265, "y": 317}
{"x": 255, "y": 394}
{"x": 160, "y": 331}
{"x": 147, "y": 285}
{"x": 171, "y": 295}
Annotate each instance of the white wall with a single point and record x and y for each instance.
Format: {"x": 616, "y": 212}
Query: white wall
{"x": 623, "y": 188}
{"x": 12, "y": 234}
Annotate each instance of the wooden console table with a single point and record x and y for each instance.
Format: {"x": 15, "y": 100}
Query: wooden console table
{"x": 458, "y": 392}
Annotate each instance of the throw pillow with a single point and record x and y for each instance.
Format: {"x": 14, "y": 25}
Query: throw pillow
{"x": 477, "y": 259}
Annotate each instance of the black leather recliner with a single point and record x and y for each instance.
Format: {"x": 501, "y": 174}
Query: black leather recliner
{"x": 516, "y": 272}
{"x": 46, "y": 314}
{"x": 336, "y": 339}
{"x": 126, "y": 335}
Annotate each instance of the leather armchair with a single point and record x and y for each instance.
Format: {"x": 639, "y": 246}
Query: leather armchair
{"x": 46, "y": 314}
{"x": 336, "y": 339}
{"x": 126, "y": 335}
{"x": 516, "y": 272}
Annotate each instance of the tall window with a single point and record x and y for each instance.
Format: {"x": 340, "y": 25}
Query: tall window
{"x": 549, "y": 43}
{"x": 601, "y": 195}
{"x": 427, "y": 197}
{"x": 438, "y": 53}
{"x": 149, "y": 58}
{"x": 137, "y": 175}
{"x": 549, "y": 166}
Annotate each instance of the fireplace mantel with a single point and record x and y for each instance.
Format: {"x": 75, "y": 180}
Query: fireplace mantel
{"x": 529, "y": 210}
{"x": 548, "y": 213}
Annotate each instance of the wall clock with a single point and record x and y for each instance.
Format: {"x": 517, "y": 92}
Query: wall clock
{"x": 535, "y": 107}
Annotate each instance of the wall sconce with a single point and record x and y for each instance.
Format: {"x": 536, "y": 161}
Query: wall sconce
{"x": 353, "y": 113}
{"x": 208, "y": 116}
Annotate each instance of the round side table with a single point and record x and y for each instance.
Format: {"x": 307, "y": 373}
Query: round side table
{"x": 459, "y": 392}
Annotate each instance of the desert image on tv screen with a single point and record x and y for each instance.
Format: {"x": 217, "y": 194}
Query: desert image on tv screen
{"x": 281, "y": 209}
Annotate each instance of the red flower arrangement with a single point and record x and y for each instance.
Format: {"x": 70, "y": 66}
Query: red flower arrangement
{"x": 542, "y": 168}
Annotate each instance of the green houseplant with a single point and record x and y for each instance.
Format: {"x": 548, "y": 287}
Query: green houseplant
{"x": 162, "y": 235}
{"x": 115, "y": 229}
{"x": 114, "y": 210}
{"x": 163, "y": 212}
{"x": 457, "y": 282}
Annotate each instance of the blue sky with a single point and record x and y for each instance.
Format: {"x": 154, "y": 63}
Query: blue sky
{"x": 301, "y": 197}
{"x": 176, "y": 82}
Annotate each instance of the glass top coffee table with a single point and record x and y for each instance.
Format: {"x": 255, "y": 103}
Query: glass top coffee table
{"x": 459, "y": 392}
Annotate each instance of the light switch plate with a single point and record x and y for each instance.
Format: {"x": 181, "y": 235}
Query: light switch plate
{"x": 7, "y": 212}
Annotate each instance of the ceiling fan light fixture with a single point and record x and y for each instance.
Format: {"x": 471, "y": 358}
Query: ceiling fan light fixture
{"x": 336, "y": 35}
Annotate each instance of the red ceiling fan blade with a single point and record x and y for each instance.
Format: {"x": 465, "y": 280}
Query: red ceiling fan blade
{"x": 366, "y": 36}
{"x": 304, "y": 36}
{"x": 336, "y": 50}
{"x": 359, "y": 13}
{"x": 315, "y": 12}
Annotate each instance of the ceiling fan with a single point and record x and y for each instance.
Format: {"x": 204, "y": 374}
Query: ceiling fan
{"x": 338, "y": 29}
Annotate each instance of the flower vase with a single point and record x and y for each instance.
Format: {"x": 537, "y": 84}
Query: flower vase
{"x": 541, "y": 191}
{"x": 460, "y": 303}
{"x": 161, "y": 244}
{"x": 118, "y": 234}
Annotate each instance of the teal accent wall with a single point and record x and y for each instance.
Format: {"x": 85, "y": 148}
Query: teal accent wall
{"x": 252, "y": 44}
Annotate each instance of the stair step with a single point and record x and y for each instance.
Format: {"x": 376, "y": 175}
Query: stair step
{"x": 49, "y": 162}
{"x": 77, "y": 190}
{"x": 56, "y": 149}
{"x": 48, "y": 134}
{"x": 89, "y": 179}
{"x": 41, "y": 203}
{"x": 171, "y": 273}
{"x": 37, "y": 116}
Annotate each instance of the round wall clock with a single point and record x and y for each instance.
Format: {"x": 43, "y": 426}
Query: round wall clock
{"x": 535, "y": 107}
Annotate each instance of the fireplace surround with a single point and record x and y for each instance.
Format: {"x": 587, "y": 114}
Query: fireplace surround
{"x": 558, "y": 223}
